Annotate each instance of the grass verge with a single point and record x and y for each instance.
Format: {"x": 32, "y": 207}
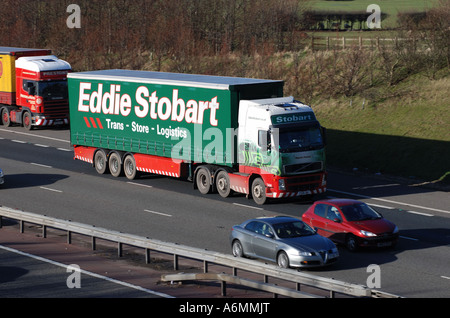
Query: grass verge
{"x": 405, "y": 134}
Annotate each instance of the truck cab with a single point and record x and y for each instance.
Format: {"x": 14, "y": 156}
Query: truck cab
{"x": 33, "y": 89}
{"x": 281, "y": 141}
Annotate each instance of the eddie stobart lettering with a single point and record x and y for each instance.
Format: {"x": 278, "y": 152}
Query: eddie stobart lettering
{"x": 148, "y": 104}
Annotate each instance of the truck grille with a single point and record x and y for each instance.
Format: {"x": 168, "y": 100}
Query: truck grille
{"x": 303, "y": 183}
{"x": 56, "y": 109}
{"x": 303, "y": 167}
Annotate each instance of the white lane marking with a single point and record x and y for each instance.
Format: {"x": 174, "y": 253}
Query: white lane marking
{"x": 408, "y": 238}
{"x": 40, "y": 165}
{"x": 158, "y": 213}
{"x": 50, "y": 189}
{"x": 446, "y": 277}
{"x": 248, "y": 206}
{"x": 42, "y": 146}
{"x": 381, "y": 206}
{"x": 138, "y": 184}
{"x": 420, "y": 213}
{"x": 390, "y": 201}
{"x": 376, "y": 186}
{"x": 19, "y": 141}
{"x": 33, "y": 135}
{"x": 64, "y": 149}
{"x": 109, "y": 279}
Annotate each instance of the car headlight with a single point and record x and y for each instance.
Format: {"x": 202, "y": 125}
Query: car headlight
{"x": 395, "y": 230}
{"x": 367, "y": 233}
{"x": 305, "y": 253}
{"x": 281, "y": 184}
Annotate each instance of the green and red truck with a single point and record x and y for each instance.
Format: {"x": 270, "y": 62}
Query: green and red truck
{"x": 33, "y": 88}
{"x": 225, "y": 134}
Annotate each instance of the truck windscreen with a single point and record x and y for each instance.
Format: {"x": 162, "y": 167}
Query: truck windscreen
{"x": 300, "y": 139}
{"x": 53, "y": 90}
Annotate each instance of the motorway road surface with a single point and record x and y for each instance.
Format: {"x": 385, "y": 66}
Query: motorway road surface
{"x": 42, "y": 177}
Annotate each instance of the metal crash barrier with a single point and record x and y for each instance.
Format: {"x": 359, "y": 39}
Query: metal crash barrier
{"x": 207, "y": 257}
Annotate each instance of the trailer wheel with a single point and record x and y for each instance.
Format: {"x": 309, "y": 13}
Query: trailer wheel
{"x": 203, "y": 180}
{"x": 6, "y": 120}
{"x": 26, "y": 120}
{"x": 115, "y": 164}
{"x": 259, "y": 191}
{"x": 223, "y": 184}
{"x": 129, "y": 167}
{"x": 100, "y": 162}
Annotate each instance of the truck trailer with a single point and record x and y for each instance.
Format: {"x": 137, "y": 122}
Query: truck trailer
{"x": 33, "y": 88}
{"x": 225, "y": 134}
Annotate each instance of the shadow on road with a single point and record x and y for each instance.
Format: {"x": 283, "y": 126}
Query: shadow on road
{"x": 413, "y": 239}
{"x": 412, "y": 158}
{"x": 11, "y": 273}
{"x": 27, "y": 180}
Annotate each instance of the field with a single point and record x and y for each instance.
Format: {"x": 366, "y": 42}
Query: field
{"x": 406, "y": 135}
{"x": 402, "y": 129}
{"x": 391, "y": 7}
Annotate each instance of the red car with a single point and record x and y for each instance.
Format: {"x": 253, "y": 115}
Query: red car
{"x": 351, "y": 222}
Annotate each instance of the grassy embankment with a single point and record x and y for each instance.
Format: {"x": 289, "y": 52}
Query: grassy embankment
{"x": 406, "y": 132}
{"x": 406, "y": 135}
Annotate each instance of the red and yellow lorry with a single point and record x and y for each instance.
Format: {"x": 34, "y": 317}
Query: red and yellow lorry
{"x": 33, "y": 88}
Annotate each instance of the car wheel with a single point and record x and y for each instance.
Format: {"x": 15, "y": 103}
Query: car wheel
{"x": 237, "y": 249}
{"x": 283, "y": 260}
{"x": 350, "y": 243}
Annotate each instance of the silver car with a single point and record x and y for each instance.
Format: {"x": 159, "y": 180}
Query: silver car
{"x": 285, "y": 240}
{"x": 2, "y": 178}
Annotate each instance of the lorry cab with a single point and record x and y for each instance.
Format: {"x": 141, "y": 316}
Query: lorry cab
{"x": 33, "y": 88}
{"x": 282, "y": 137}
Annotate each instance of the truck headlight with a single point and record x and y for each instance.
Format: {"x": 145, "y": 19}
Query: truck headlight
{"x": 281, "y": 184}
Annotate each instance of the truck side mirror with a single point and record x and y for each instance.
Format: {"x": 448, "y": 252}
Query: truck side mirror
{"x": 264, "y": 140}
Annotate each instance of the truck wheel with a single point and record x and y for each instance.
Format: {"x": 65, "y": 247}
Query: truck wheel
{"x": 6, "y": 120}
{"x": 223, "y": 184}
{"x": 203, "y": 180}
{"x": 115, "y": 165}
{"x": 129, "y": 167}
{"x": 100, "y": 162}
{"x": 26, "y": 120}
{"x": 259, "y": 191}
